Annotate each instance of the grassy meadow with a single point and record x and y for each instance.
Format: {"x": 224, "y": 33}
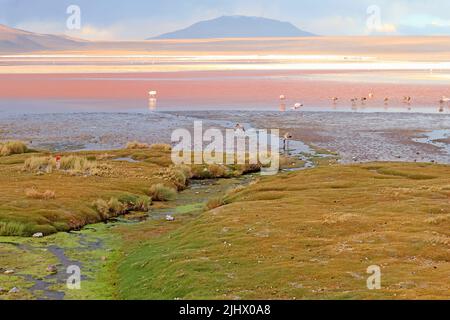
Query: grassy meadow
{"x": 308, "y": 234}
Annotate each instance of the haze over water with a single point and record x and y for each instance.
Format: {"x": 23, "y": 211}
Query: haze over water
{"x": 239, "y": 74}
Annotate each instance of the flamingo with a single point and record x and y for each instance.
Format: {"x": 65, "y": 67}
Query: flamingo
{"x": 152, "y": 94}
{"x": 363, "y": 100}
{"x": 444, "y": 99}
{"x": 287, "y": 136}
{"x": 282, "y": 97}
{"x": 386, "y": 100}
{"x": 239, "y": 128}
{"x": 335, "y": 99}
{"x": 297, "y": 106}
{"x": 354, "y": 100}
{"x": 407, "y": 99}
{"x": 371, "y": 95}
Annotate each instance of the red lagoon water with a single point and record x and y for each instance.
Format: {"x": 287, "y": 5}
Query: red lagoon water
{"x": 219, "y": 90}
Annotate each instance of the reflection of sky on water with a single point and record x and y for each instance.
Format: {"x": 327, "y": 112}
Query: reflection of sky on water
{"x": 40, "y": 106}
{"x": 441, "y": 77}
{"x": 435, "y": 138}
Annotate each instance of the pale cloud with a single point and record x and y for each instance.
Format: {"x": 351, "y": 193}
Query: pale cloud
{"x": 440, "y": 23}
{"x": 336, "y": 25}
{"x": 385, "y": 28}
{"x": 140, "y": 19}
{"x": 90, "y": 32}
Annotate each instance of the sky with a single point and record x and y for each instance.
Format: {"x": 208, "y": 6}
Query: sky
{"x": 140, "y": 19}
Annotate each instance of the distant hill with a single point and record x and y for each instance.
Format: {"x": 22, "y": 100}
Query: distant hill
{"x": 16, "y": 40}
{"x": 237, "y": 27}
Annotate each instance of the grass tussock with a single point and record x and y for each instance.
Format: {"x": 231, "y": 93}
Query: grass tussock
{"x": 177, "y": 175}
{"x": 137, "y": 145}
{"x": 71, "y": 164}
{"x": 160, "y": 192}
{"x": 39, "y": 164}
{"x": 11, "y": 228}
{"x": 161, "y": 147}
{"x": 32, "y": 193}
{"x": 115, "y": 207}
{"x": 212, "y": 171}
{"x": 217, "y": 171}
{"x": 109, "y": 209}
{"x": 215, "y": 203}
{"x": 142, "y": 204}
{"x": 12, "y": 147}
{"x": 136, "y": 203}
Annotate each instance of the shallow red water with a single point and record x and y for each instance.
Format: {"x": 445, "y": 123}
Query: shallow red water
{"x": 219, "y": 89}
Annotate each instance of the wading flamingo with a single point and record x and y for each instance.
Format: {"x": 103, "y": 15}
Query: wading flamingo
{"x": 407, "y": 99}
{"x": 287, "y": 136}
{"x": 297, "y": 106}
{"x": 152, "y": 94}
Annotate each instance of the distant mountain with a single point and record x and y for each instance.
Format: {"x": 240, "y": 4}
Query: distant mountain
{"x": 16, "y": 40}
{"x": 237, "y": 27}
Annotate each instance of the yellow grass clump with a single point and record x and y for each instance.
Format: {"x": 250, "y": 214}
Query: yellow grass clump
{"x": 11, "y": 228}
{"x": 39, "y": 164}
{"x": 109, "y": 209}
{"x": 215, "y": 203}
{"x": 12, "y": 147}
{"x": 216, "y": 170}
{"x": 116, "y": 207}
{"x": 32, "y": 193}
{"x": 137, "y": 145}
{"x": 161, "y": 147}
{"x": 177, "y": 175}
{"x": 71, "y": 164}
{"x": 160, "y": 192}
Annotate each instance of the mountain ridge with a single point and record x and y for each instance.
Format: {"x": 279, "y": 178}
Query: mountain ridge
{"x": 17, "y": 40}
{"x": 236, "y": 27}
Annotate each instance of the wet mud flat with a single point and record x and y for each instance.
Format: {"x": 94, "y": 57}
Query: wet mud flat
{"x": 354, "y": 136}
{"x": 357, "y": 137}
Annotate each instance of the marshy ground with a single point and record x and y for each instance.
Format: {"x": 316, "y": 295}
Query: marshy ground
{"x": 299, "y": 235}
{"x": 303, "y": 234}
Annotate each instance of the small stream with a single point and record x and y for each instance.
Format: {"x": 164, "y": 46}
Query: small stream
{"x": 433, "y": 137}
{"x": 42, "y": 287}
